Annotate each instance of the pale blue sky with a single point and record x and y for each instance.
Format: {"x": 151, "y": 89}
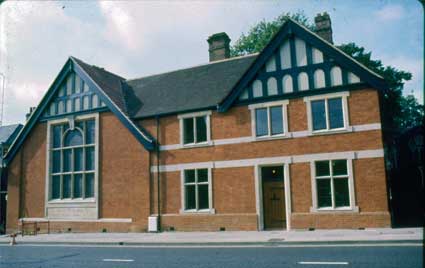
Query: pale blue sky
{"x": 139, "y": 38}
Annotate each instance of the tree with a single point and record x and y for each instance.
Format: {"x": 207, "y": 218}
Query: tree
{"x": 399, "y": 112}
{"x": 262, "y": 32}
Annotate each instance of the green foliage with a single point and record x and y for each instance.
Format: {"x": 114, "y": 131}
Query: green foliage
{"x": 262, "y": 32}
{"x": 399, "y": 112}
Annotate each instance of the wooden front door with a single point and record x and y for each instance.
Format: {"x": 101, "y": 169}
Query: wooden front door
{"x": 274, "y": 205}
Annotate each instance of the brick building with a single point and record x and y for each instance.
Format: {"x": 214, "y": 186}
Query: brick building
{"x": 289, "y": 138}
{"x": 7, "y": 135}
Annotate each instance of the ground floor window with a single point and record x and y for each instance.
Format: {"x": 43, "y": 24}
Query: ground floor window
{"x": 197, "y": 189}
{"x": 332, "y": 184}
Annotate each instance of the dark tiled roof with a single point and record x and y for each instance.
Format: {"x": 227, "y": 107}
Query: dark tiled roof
{"x": 186, "y": 89}
{"x": 8, "y": 133}
{"x": 111, "y": 84}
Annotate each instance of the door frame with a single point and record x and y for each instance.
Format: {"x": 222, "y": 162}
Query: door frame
{"x": 259, "y": 194}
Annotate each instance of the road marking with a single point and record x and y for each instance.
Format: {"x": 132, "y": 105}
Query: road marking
{"x": 118, "y": 260}
{"x": 323, "y": 262}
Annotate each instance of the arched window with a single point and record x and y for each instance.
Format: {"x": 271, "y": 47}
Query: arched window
{"x": 73, "y": 138}
{"x": 336, "y": 76}
{"x": 72, "y": 169}
{"x": 300, "y": 50}
{"x": 285, "y": 56}
{"x": 257, "y": 89}
{"x": 287, "y": 84}
{"x": 271, "y": 86}
{"x": 317, "y": 55}
{"x": 303, "y": 81}
{"x": 319, "y": 78}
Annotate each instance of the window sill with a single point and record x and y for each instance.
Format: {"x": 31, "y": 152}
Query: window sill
{"x": 332, "y": 131}
{"x": 202, "y": 211}
{"x": 197, "y": 145}
{"x": 89, "y": 202}
{"x": 354, "y": 209}
{"x": 275, "y": 137}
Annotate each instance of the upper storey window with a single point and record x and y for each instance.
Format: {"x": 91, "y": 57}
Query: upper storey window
{"x": 195, "y": 129}
{"x": 73, "y": 158}
{"x": 269, "y": 120}
{"x": 327, "y": 113}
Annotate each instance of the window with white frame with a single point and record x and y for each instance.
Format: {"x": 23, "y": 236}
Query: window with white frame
{"x": 197, "y": 190}
{"x": 332, "y": 184}
{"x": 72, "y": 159}
{"x": 269, "y": 119}
{"x": 327, "y": 112}
{"x": 195, "y": 128}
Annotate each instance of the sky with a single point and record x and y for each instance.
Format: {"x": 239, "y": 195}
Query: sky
{"x": 139, "y": 38}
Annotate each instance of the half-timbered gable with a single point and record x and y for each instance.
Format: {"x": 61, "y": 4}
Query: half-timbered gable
{"x": 73, "y": 96}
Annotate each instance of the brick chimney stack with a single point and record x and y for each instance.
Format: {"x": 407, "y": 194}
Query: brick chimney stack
{"x": 324, "y": 26}
{"x": 219, "y": 46}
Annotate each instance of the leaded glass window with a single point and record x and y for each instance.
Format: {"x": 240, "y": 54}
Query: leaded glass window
{"x": 332, "y": 181}
{"x": 72, "y": 165}
{"x": 196, "y": 189}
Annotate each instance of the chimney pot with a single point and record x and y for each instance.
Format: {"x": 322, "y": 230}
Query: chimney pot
{"x": 219, "y": 46}
{"x": 27, "y": 116}
{"x": 324, "y": 26}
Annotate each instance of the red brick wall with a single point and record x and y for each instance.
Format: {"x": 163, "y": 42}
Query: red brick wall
{"x": 128, "y": 190}
{"x": 125, "y": 174}
{"x": 232, "y": 193}
{"x": 123, "y": 178}
{"x": 370, "y": 192}
{"x": 369, "y": 140}
{"x": 27, "y": 170}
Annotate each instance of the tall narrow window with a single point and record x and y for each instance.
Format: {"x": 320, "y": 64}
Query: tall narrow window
{"x": 332, "y": 184}
{"x": 72, "y": 165}
{"x": 195, "y": 128}
{"x": 196, "y": 190}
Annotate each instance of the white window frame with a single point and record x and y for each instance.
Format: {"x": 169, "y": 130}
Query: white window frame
{"x": 268, "y": 105}
{"x": 210, "y": 209}
{"x": 89, "y": 207}
{"x": 351, "y": 189}
{"x": 181, "y": 117}
{"x": 343, "y": 95}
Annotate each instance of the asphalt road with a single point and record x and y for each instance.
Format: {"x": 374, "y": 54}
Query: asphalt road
{"x": 397, "y": 256}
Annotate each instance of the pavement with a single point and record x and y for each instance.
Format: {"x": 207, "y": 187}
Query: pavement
{"x": 378, "y": 235}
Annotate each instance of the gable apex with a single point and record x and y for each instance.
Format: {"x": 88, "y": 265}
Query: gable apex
{"x": 93, "y": 78}
{"x": 298, "y": 57}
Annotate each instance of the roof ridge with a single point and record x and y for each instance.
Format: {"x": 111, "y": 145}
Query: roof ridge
{"x": 99, "y": 68}
{"x": 195, "y": 66}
